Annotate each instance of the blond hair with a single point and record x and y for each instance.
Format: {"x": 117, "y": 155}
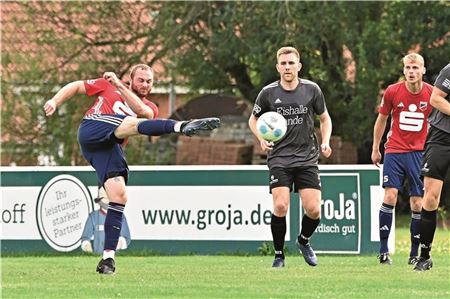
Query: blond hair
{"x": 413, "y": 57}
{"x": 140, "y": 66}
{"x": 288, "y": 50}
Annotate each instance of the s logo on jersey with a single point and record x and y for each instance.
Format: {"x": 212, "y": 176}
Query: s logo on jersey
{"x": 411, "y": 120}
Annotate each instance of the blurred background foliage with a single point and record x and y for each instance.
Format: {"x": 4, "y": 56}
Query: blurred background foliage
{"x": 351, "y": 49}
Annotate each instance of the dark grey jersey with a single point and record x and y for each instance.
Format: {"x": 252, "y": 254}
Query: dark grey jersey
{"x": 438, "y": 119}
{"x": 299, "y": 146}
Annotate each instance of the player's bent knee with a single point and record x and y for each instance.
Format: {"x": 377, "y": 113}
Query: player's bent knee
{"x": 127, "y": 128}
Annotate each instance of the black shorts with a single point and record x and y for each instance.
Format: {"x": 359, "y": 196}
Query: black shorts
{"x": 436, "y": 157}
{"x": 301, "y": 177}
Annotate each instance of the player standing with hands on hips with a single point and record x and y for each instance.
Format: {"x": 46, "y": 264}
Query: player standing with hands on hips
{"x": 294, "y": 158}
{"x": 407, "y": 102}
{"x": 119, "y": 112}
{"x": 435, "y": 164}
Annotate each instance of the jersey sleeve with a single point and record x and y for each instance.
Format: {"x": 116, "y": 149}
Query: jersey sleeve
{"x": 443, "y": 80}
{"x": 319, "y": 101}
{"x": 95, "y": 86}
{"x": 386, "y": 102}
{"x": 152, "y": 106}
{"x": 261, "y": 103}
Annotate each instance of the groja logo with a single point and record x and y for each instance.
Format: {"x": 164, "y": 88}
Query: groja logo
{"x": 63, "y": 206}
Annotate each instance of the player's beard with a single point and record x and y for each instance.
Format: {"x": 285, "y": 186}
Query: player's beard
{"x": 142, "y": 93}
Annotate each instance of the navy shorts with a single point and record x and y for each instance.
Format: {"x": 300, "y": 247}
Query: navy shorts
{"x": 301, "y": 177}
{"x": 400, "y": 166}
{"x": 101, "y": 148}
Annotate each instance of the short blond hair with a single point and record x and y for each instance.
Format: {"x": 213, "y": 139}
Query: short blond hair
{"x": 288, "y": 50}
{"x": 140, "y": 66}
{"x": 413, "y": 57}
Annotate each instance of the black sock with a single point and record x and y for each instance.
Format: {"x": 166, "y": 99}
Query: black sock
{"x": 427, "y": 229}
{"x": 308, "y": 227}
{"x": 278, "y": 227}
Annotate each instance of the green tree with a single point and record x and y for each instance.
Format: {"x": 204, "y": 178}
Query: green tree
{"x": 224, "y": 46}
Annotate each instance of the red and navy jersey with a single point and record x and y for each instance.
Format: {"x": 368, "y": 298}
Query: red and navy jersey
{"x": 409, "y": 117}
{"x": 109, "y": 99}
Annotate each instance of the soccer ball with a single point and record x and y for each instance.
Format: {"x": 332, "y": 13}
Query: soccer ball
{"x": 271, "y": 126}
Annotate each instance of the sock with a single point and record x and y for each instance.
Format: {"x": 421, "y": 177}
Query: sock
{"x": 415, "y": 233}
{"x": 427, "y": 229}
{"x": 278, "y": 227}
{"x": 156, "y": 127}
{"x": 308, "y": 227}
{"x": 178, "y": 125}
{"x": 113, "y": 225}
{"x": 108, "y": 254}
{"x": 385, "y": 217}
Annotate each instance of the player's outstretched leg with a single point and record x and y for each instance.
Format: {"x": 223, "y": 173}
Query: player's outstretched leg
{"x": 192, "y": 127}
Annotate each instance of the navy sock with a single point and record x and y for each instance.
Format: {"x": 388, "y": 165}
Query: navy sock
{"x": 414, "y": 229}
{"x": 113, "y": 225}
{"x": 427, "y": 229}
{"x": 309, "y": 225}
{"x": 156, "y": 127}
{"x": 385, "y": 217}
{"x": 278, "y": 227}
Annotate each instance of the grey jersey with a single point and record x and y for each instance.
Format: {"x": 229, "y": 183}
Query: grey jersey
{"x": 437, "y": 118}
{"x": 299, "y": 146}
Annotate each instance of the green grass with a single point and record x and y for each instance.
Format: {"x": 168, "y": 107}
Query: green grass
{"x": 342, "y": 276}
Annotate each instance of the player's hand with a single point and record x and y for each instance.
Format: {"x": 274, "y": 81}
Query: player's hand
{"x": 122, "y": 244}
{"x": 376, "y": 157}
{"x": 266, "y": 146}
{"x": 50, "y": 107}
{"x": 86, "y": 246}
{"x": 111, "y": 78}
{"x": 326, "y": 149}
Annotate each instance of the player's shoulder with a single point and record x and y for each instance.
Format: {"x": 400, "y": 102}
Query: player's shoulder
{"x": 395, "y": 87}
{"x": 98, "y": 81}
{"x": 271, "y": 86}
{"x": 427, "y": 87}
{"x": 308, "y": 82}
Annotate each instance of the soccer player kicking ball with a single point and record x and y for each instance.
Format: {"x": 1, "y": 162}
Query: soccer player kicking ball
{"x": 435, "y": 164}
{"x": 118, "y": 113}
{"x": 407, "y": 102}
{"x": 294, "y": 158}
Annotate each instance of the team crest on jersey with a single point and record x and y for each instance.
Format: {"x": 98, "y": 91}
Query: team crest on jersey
{"x": 91, "y": 82}
{"x": 423, "y": 106}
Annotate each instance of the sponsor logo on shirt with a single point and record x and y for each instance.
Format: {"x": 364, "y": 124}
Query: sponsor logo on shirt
{"x": 277, "y": 101}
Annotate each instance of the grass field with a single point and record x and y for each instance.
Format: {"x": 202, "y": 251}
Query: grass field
{"x": 230, "y": 276}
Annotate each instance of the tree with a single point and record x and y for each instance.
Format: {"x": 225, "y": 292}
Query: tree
{"x": 224, "y": 46}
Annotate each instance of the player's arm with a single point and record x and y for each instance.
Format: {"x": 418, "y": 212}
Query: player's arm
{"x": 265, "y": 145}
{"x": 378, "y": 131}
{"x": 438, "y": 101}
{"x": 325, "y": 130}
{"x": 65, "y": 93}
{"x": 135, "y": 103}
